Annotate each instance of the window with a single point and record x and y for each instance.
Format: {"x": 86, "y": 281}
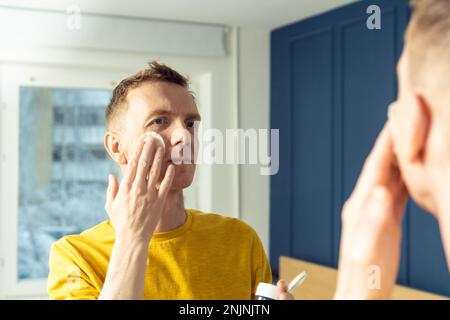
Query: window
{"x": 62, "y": 170}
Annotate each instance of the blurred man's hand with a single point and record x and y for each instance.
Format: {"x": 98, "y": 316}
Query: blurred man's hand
{"x": 371, "y": 227}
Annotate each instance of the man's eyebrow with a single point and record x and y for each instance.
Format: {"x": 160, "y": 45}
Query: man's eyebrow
{"x": 191, "y": 116}
{"x": 159, "y": 112}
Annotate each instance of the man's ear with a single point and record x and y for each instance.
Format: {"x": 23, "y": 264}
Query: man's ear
{"x": 114, "y": 148}
{"x": 417, "y": 128}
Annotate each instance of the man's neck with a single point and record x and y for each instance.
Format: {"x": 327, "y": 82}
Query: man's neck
{"x": 173, "y": 215}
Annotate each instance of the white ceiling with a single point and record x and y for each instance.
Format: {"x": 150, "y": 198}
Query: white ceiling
{"x": 245, "y": 13}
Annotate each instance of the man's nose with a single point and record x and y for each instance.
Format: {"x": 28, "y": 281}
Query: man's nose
{"x": 180, "y": 136}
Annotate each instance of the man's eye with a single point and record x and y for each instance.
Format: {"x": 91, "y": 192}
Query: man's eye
{"x": 190, "y": 124}
{"x": 159, "y": 121}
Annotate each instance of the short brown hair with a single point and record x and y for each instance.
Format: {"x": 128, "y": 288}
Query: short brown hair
{"x": 428, "y": 37}
{"x": 155, "y": 72}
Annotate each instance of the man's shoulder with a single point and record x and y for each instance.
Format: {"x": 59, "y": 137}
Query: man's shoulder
{"x": 96, "y": 234}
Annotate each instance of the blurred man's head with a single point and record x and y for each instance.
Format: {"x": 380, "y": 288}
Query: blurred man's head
{"x": 420, "y": 121}
{"x": 155, "y": 99}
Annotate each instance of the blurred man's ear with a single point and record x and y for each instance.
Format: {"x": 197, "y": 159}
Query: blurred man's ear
{"x": 113, "y": 146}
{"x": 417, "y": 129}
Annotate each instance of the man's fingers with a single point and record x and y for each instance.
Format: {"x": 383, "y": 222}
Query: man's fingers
{"x": 282, "y": 286}
{"x": 283, "y": 293}
{"x": 379, "y": 163}
{"x": 386, "y": 204}
{"x": 145, "y": 162}
{"x": 155, "y": 170}
{"x": 132, "y": 165}
{"x": 285, "y": 296}
{"x": 111, "y": 192}
{"x": 167, "y": 182}
{"x": 382, "y": 152}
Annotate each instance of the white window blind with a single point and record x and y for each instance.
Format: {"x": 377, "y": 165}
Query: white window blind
{"x": 52, "y": 28}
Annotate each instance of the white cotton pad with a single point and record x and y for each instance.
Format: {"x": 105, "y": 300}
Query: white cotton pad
{"x": 155, "y": 135}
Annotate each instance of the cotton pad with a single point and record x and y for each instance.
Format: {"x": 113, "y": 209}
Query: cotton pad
{"x": 155, "y": 135}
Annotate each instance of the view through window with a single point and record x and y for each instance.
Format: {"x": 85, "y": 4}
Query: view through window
{"x": 63, "y": 170}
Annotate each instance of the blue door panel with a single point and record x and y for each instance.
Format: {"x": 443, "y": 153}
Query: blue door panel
{"x": 311, "y": 134}
{"x": 427, "y": 264}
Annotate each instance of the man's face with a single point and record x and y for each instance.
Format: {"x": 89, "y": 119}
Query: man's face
{"x": 169, "y": 110}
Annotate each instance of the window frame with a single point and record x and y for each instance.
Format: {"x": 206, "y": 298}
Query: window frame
{"x": 13, "y": 77}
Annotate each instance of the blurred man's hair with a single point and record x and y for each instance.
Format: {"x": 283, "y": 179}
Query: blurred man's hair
{"x": 428, "y": 38}
{"x": 156, "y": 72}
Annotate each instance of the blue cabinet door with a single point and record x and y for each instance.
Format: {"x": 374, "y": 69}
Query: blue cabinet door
{"x": 331, "y": 82}
{"x": 312, "y": 143}
{"x": 427, "y": 266}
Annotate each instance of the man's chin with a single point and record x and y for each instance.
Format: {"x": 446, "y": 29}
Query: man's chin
{"x": 184, "y": 175}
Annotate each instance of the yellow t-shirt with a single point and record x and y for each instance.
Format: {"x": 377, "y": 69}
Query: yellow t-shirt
{"x": 208, "y": 257}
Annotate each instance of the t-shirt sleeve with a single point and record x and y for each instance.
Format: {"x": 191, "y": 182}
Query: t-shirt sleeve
{"x": 66, "y": 279}
{"x": 261, "y": 266}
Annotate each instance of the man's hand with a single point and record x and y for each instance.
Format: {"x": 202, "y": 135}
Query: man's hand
{"x": 283, "y": 291}
{"x": 135, "y": 209}
{"x": 371, "y": 227}
{"x": 136, "y": 205}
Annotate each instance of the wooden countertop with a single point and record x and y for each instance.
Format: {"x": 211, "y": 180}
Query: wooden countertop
{"x": 321, "y": 282}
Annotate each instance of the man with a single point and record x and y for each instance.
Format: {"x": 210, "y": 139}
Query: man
{"x": 152, "y": 247}
{"x": 410, "y": 157}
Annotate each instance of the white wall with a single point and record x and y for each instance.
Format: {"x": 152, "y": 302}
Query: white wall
{"x": 254, "y": 54}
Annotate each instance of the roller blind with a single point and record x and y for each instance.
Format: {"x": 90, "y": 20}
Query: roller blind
{"x": 68, "y": 29}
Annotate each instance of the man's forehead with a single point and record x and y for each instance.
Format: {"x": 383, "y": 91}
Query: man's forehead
{"x": 160, "y": 98}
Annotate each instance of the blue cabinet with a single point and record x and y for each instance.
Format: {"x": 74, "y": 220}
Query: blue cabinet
{"x": 331, "y": 82}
